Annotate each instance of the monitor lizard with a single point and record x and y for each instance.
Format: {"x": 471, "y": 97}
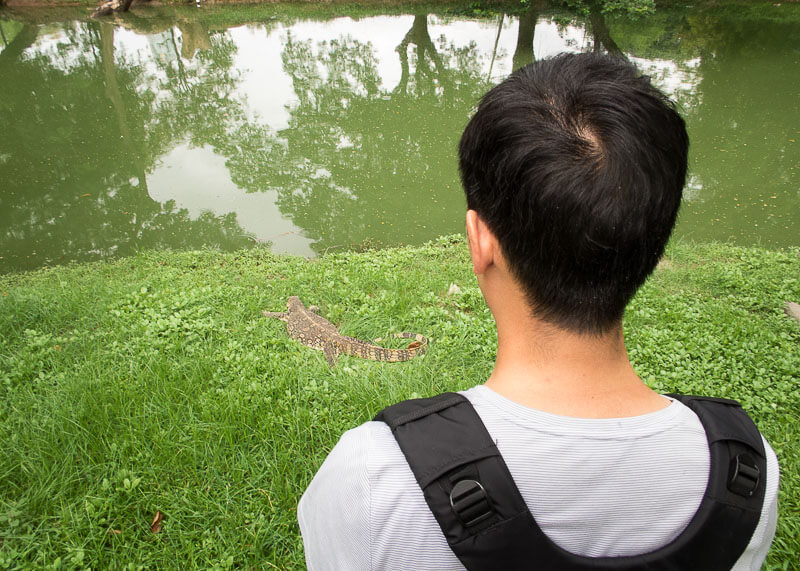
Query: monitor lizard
{"x": 306, "y": 326}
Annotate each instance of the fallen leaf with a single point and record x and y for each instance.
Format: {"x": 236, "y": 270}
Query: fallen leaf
{"x": 454, "y": 289}
{"x": 155, "y": 527}
{"x": 86, "y": 194}
{"x": 414, "y": 345}
{"x": 114, "y": 531}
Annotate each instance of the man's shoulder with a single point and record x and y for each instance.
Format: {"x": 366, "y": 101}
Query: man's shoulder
{"x": 373, "y": 439}
{"x": 377, "y": 437}
{"x": 372, "y": 449}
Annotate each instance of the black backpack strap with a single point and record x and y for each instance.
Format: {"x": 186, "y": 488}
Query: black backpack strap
{"x": 488, "y": 526}
{"x": 734, "y": 498}
{"x": 464, "y": 479}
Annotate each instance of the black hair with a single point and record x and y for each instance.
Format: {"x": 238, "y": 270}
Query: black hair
{"x": 577, "y": 164}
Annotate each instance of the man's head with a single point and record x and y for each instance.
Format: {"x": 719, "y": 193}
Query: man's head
{"x": 576, "y": 164}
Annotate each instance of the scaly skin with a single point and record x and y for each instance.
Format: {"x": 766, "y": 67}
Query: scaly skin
{"x": 310, "y": 329}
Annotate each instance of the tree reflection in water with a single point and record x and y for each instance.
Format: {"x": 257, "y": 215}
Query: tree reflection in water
{"x": 360, "y": 163}
{"x": 76, "y": 155}
{"x": 356, "y": 158}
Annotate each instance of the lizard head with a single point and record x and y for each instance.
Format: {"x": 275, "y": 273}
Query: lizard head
{"x": 294, "y": 303}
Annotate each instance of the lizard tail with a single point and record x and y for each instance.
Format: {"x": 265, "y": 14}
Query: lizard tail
{"x": 276, "y": 315}
{"x": 417, "y": 347}
{"x": 420, "y": 341}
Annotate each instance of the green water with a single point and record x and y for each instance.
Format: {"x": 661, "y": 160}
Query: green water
{"x": 310, "y": 131}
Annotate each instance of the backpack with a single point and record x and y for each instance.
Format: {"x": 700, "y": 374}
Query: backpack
{"x": 488, "y": 526}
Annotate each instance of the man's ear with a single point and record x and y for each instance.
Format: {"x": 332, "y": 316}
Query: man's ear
{"x": 482, "y": 243}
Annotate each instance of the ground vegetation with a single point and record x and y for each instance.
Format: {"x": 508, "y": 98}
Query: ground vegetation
{"x": 151, "y": 417}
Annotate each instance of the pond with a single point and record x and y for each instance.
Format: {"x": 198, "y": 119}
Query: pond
{"x": 312, "y": 128}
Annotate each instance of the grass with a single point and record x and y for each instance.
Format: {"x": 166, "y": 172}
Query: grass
{"x": 153, "y": 385}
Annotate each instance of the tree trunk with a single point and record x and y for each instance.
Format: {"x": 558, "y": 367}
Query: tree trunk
{"x": 22, "y": 41}
{"x": 523, "y": 54}
{"x": 402, "y": 51}
{"x": 111, "y": 6}
{"x": 496, "y": 42}
{"x": 601, "y": 33}
{"x": 419, "y": 36}
{"x": 114, "y": 94}
{"x": 194, "y": 36}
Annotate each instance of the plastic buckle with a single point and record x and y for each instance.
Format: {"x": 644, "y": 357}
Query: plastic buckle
{"x": 745, "y": 475}
{"x": 470, "y": 502}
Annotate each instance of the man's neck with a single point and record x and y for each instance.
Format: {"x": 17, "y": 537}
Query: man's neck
{"x": 546, "y": 367}
{"x": 557, "y": 371}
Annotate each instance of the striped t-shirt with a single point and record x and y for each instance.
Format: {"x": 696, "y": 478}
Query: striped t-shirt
{"x": 596, "y": 487}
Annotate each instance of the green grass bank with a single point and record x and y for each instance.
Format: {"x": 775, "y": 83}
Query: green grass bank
{"x": 153, "y": 385}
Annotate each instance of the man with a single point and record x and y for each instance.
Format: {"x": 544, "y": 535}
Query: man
{"x": 573, "y": 169}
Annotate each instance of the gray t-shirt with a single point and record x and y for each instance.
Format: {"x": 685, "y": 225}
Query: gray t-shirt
{"x": 596, "y": 487}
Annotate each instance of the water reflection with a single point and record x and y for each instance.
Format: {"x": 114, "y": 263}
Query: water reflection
{"x": 197, "y": 180}
{"x": 76, "y": 156}
{"x": 182, "y": 132}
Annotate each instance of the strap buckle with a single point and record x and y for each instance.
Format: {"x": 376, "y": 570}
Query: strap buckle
{"x": 745, "y": 475}
{"x": 470, "y": 502}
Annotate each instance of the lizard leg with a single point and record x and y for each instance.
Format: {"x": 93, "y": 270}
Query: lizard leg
{"x": 313, "y": 308}
{"x": 276, "y": 315}
{"x": 331, "y": 353}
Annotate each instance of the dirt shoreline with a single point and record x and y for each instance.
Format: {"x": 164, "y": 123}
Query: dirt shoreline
{"x": 48, "y": 11}
{"x": 80, "y": 3}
